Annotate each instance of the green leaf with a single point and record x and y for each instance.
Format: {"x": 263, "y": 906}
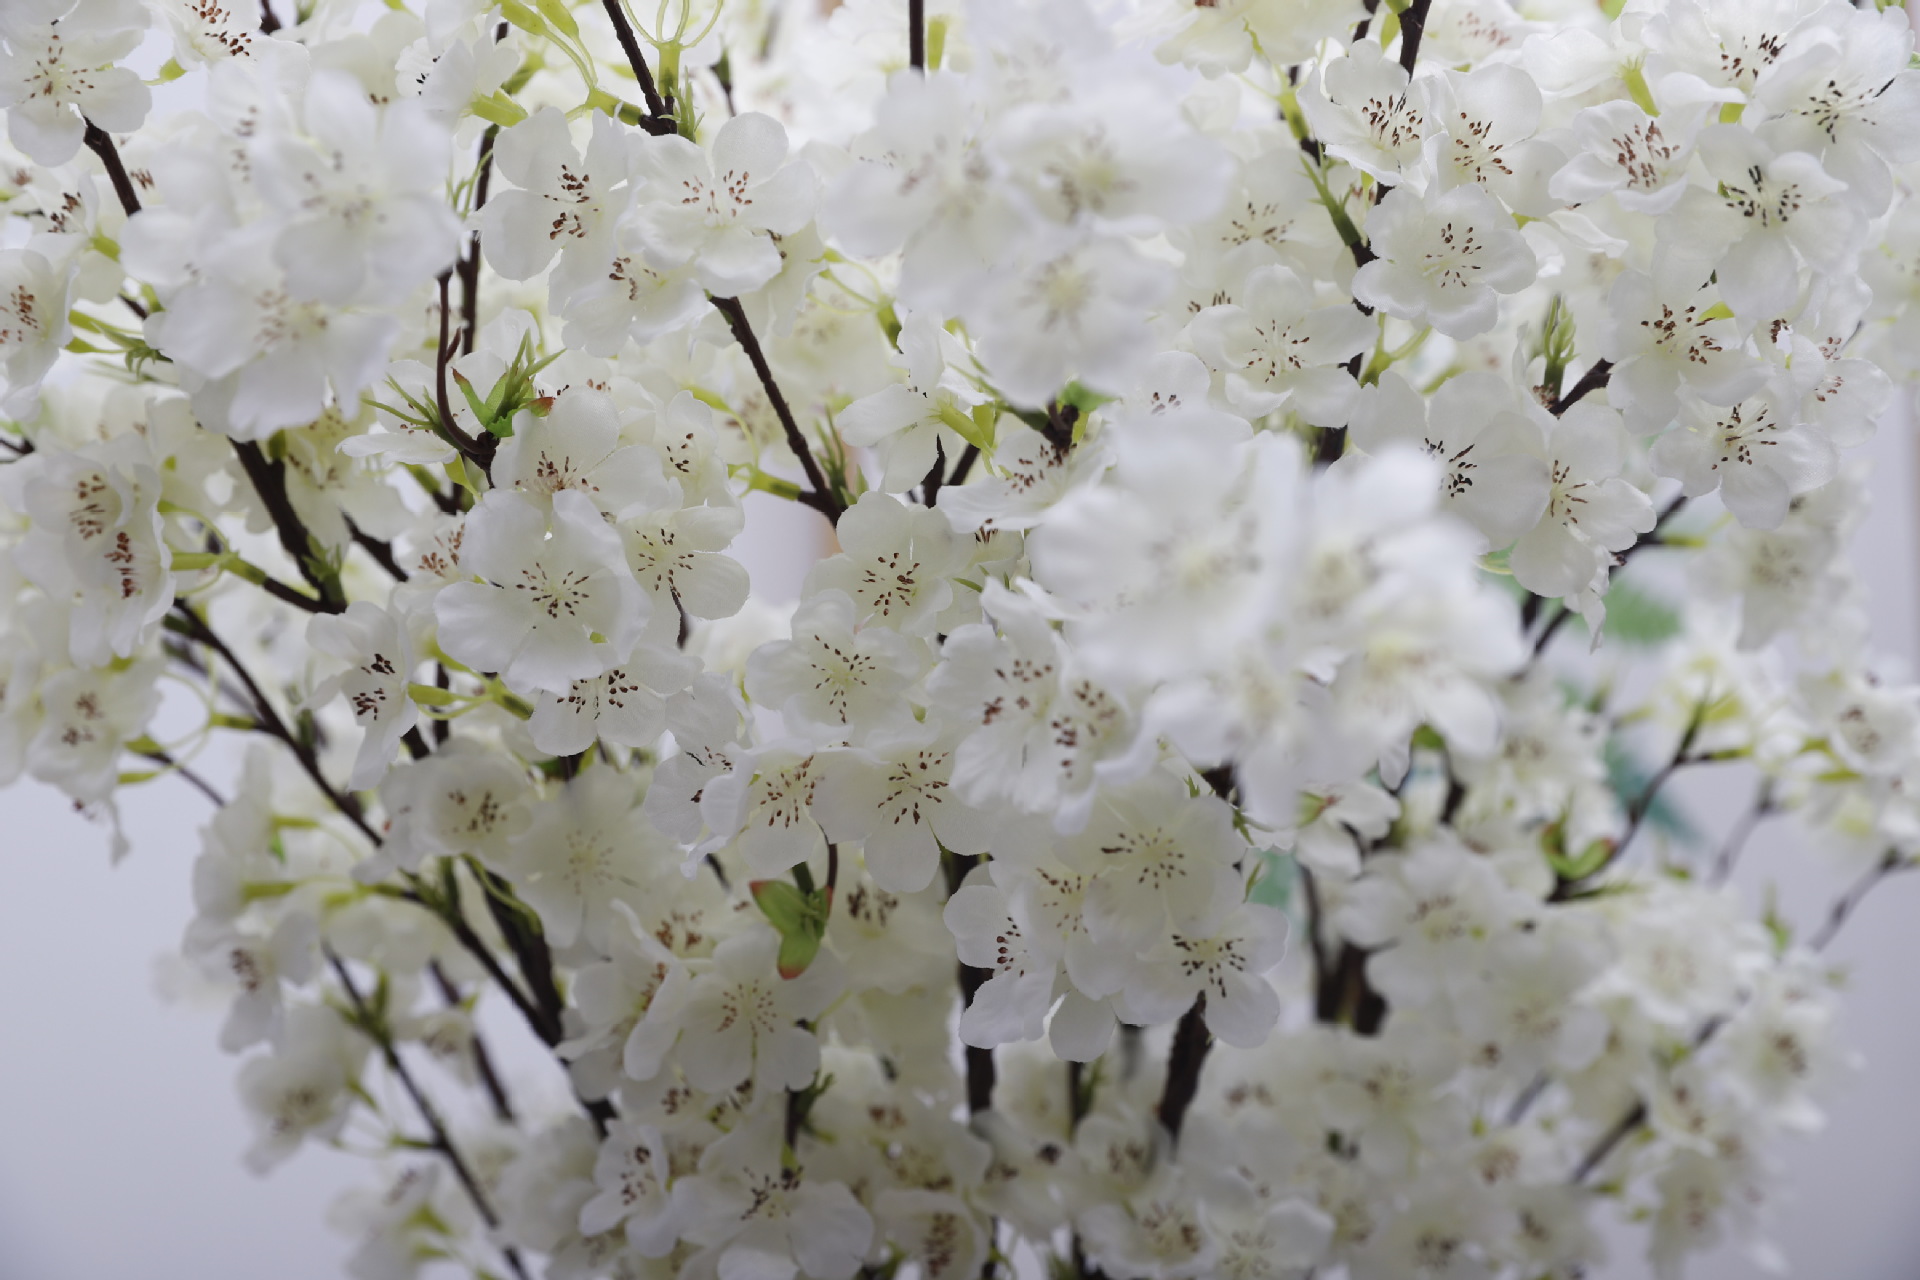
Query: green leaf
{"x": 797, "y": 951}
{"x": 781, "y": 903}
{"x": 799, "y": 915}
{"x": 1274, "y": 885}
{"x": 1637, "y": 619}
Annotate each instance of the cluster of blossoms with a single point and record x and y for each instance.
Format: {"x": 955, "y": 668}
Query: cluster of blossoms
{"x": 1201, "y": 819}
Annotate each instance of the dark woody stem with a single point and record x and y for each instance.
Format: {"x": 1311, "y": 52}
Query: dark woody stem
{"x": 482, "y": 1060}
{"x": 1837, "y": 915}
{"x": 469, "y": 267}
{"x": 368, "y": 1021}
{"x": 1413, "y": 25}
{"x": 821, "y": 498}
{"x": 541, "y": 1012}
{"x": 101, "y": 145}
{"x": 660, "y": 115}
{"x": 194, "y": 627}
{"x": 1652, "y": 539}
{"x": 269, "y": 480}
{"x": 1592, "y": 380}
{"x": 1191, "y": 1043}
{"x": 480, "y": 452}
{"x": 981, "y": 1071}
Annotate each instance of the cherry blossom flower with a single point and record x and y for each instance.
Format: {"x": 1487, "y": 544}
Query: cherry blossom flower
{"x": 552, "y": 604}
{"x": 59, "y": 69}
{"x": 381, "y": 662}
{"x": 714, "y": 213}
{"x": 1444, "y": 261}
{"x": 831, "y": 679}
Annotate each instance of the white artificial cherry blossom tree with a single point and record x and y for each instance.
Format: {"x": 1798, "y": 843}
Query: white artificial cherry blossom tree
{"x": 1205, "y": 815}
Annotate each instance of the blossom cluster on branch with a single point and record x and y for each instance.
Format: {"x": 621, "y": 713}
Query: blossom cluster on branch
{"x": 1204, "y": 818}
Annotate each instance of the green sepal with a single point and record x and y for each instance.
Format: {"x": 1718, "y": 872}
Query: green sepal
{"x": 498, "y": 108}
{"x": 524, "y": 18}
{"x": 936, "y": 42}
{"x": 975, "y": 428}
{"x": 557, "y": 13}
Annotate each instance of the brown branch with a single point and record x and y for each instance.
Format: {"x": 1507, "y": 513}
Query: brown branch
{"x": 469, "y": 267}
{"x": 1652, "y": 539}
{"x": 1845, "y": 905}
{"x": 101, "y": 145}
{"x": 1736, "y": 841}
{"x": 1837, "y": 917}
{"x": 269, "y": 719}
{"x": 198, "y": 783}
{"x": 981, "y": 1071}
{"x": 482, "y": 1060}
{"x": 1360, "y": 31}
{"x": 380, "y": 549}
{"x": 964, "y": 467}
{"x": 1316, "y": 942}
{"x": 269, "y": 480}
{"x": 470, "y": 447}
{"x": 1413, "y": 25}
{"x": 1592, "y": 380}
{"x": 821, "y": 498}
{"x": 659, "y": 121}
{"x": 1191, "y": 1043}
{"x": 370, "y": 1025}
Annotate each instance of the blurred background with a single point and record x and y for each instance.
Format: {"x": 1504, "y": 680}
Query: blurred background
{"x": 120, "y": 1134}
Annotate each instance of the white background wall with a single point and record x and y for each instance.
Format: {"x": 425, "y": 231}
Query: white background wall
{"x": 120, "y": 1136}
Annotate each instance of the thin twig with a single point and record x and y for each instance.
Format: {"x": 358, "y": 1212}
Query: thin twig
{"x": 1736, "y": 841}
{"x": 1360, "y": 31}
{"x": 380, "y": 549}
{"x": 442, "y": 1141}
{"x": 936, "y": 475}
{"x": 1642, "y": 805}
{"x": 1413, "y": 24}
{"x": 101, "y": 144}
{"x": 964, "y": 467}
{"x": 982, "y": 1073}
{"x": 1191, "y": 1042}
{"x": 1847, "y": 902}
{"x": 1590, "y": 381}
{"x": 469, "y": 446}
{"x": 270, "y": 721}
{"x": 1316, "y": 942}
{"x": 269, "y": 480}
{"x": 658, "y": 112}
{"x": 482, "y": 1060}
{"x": 1837, "y": 917}
{"x": 470, "y": 265}
{"x": 1652, "y": 539}
{"x": 199, "y": 783}
{"x": 821, "y": 498}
